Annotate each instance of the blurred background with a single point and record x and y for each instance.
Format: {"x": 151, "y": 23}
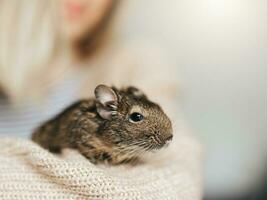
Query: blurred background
{"x": 219, "y": 49}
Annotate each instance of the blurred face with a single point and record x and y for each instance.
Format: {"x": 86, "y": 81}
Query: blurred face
{"x": 80, "y": 16}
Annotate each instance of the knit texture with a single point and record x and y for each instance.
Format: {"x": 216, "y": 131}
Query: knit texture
{"x": 29, "y": 172}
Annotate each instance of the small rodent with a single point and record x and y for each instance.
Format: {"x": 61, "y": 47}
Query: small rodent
{"x": 116, "y": 127}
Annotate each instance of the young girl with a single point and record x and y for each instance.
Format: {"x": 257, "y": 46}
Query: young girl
{"x": 44, "y": 46}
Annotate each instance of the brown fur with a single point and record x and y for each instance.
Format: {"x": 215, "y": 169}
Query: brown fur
{"x": 115, "y": 138}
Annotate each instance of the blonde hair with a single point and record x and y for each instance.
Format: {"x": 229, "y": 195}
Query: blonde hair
{"x": 28, "y": 43}
{"x": 32, "y": 48}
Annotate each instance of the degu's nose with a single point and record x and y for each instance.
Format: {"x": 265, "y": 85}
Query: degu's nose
{"x": 169, "y": 138}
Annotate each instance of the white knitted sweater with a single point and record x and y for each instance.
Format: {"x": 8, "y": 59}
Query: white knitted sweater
{"x": 29, "y": 172}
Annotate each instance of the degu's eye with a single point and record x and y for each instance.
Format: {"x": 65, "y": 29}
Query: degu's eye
{"x": 136, "y": 117}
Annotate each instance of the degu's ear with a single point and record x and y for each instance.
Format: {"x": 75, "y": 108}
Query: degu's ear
{"x": 107, "y": 101}
{"x": 135, "y": 92}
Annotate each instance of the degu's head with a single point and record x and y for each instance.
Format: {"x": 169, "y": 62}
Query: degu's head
{"x": 132, "y": 121}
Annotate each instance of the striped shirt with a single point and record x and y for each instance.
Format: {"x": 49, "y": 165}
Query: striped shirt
{"x": 21, "y": 120}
